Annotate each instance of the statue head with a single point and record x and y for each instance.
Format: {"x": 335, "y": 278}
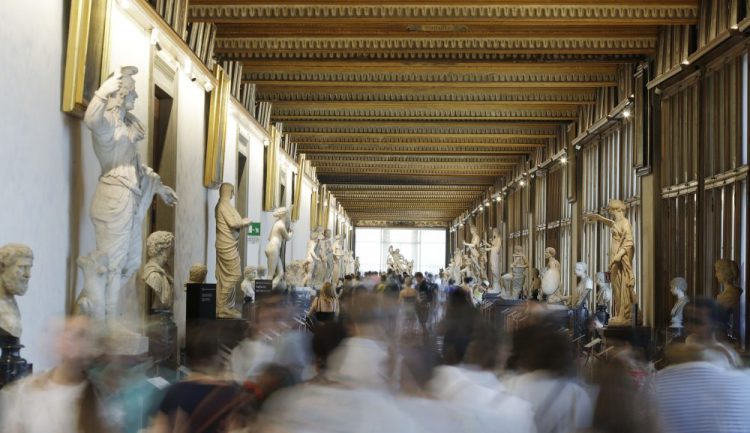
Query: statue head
{"x": 198, "y": 273}
{"x": 678, "y": 286}
{"x": 282, "y": 214}
{"x": 726, "y": 271}
{"x": 124, "y": 98}
{"x": 327, "y": 233}
{"x": 262, "y": 271}
{"x": 15, "y": 269}
{"x": 473, "y": 229}
{"x": 617, "y": 207}
{"x": 549, "y": 252}
{"x": 582, "y": 269}
{"x": 250, "y": 273}
{"x": 159, "y": 244}
{"x": 518, "y": 249}
{"x": 496, "y": 232}
{"x": 316, "y": 234}
{"x": 226, "y": 191}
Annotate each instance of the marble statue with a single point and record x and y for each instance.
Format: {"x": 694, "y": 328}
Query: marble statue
{"x": 356, "y": 265}
{"x": 726, "y": 272}
{"x": 281, "y": 232}
{"x": 349, "y": 260}
{"x": 90, "y": 302}
{"x": 621, "y": 251}
{"x": 678, "y": 287}
{"x": 229, "y": 222}
{"x": 409, "y": 267}
{"x": 126, "y": 186}
{"x": 535, "y": 283}
{"x": 295, "y": 274}
{"x": 312, "y": 259}
{"x": 262, "y": 272}
{"x": 326, "y": 253}
{"x": 494, "y": 249}
{"x": 584, "y": 288}
{"x": 551, "y": 278}
{"x": 603, "y": 296}
{"x": 16, "y": 261}
{"x": 198, "y": 272}
{"x": 338, "y": 256}
{"x": 472, "y": 248}
{"x": 248, "y": 282}
{"x": 519, "y": 267}
{"x": 154, "y": 275}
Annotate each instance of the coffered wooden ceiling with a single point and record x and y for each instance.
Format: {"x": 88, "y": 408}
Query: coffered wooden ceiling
{"x": 410, "y": 109}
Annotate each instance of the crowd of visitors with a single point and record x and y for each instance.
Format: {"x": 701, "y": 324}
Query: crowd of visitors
{"x": 392, "y": 353}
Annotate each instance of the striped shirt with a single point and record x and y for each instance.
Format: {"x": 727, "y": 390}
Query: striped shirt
{"x": 700, "y": 397}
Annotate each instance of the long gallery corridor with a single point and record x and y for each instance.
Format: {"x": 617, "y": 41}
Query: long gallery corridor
{"x": 418, "y": 216}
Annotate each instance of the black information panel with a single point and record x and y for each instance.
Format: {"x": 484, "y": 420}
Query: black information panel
{"x": 263, "y": 287}
{"x": 201, "y": 301}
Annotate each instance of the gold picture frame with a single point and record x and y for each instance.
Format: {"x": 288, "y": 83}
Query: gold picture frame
{"x": 301, "y": 168}
{"x": 272, "y": 171}
{"x": 87, "y": 54}
{"x": 213, "y": 172}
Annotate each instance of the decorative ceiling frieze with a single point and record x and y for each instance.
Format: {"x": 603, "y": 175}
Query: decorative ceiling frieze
{"x": 657, "y": 13}
{"x": 389, "y": 95}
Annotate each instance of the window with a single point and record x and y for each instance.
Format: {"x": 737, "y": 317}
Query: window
{"x": 426, "y": 247}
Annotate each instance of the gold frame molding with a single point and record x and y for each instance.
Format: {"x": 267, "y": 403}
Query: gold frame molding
{"x": 301, "y": 168}
{"x": 77, "y": 56}
{"x": 217, "y": 130}
{"x": 272, "y": 171}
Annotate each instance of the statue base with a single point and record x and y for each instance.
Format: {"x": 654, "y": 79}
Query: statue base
{"x": 12, "y": 366}
{"x": 162, "y": 336}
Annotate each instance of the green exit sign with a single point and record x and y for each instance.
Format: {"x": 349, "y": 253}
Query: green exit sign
{"x": 253, "y": 229}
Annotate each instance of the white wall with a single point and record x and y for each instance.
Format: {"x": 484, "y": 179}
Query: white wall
{"x": 39, "y": 148}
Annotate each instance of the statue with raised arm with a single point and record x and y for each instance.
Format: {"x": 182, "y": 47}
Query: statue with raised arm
{"x": 621, "y": 251}
{"x": 126, "y": 186}
{"x": 229, "y": 222}
{"x": 281, "y": 232}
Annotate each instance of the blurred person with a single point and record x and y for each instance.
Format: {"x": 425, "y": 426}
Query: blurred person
{"x": 64, "y": 399}
{"x": 352, "y": 394}
{"x": 457, "y": 326}
{"x": 426, "y": 298}
{"x": 325, "y": 306}
{"x": 544, "y": 363}
{"x": 471, "y": 382}
{"x": 704, "y": 319}
{"x": 408, "y": 298}
{"x": 698, "y": 393}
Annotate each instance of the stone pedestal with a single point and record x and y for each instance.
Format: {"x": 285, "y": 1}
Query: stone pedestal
{"x": 162, "y": 336}
{"x": 12, "y": 366}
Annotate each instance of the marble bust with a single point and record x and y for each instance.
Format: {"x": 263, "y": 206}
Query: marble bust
{"x": 726, "y": 272}
{"x": 154, "y": 274}
{"x": 15, "y": 270}
{"x": 584, "y": 288}
{"x": 280, "y": 233}
{"x": 126, "y": 186}
{"x": 678, "y": 287}
{"x": 197, "y": 274}
{"x": 229, "y": 222}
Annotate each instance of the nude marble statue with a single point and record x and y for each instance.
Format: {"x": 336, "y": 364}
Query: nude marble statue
{"x": 280, "y": 233}
{"x": 621, "y": 251}
{"x": 311, "y": 258}
{"x": 16, "y": 261}
{"x": 678, "y": 287}
{"x": 154, "y": 274}
{"x": 90, "y": 302}
{"x": 229, "y": 222}
{"x": 126, "y": 186}
{"x": 494, "y": 249}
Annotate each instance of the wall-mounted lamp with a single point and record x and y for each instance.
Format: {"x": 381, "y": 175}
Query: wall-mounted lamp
{"x": 265, "y": 142}
{"x": 564, "y": 160}
{"x": 626, "y": 114}
{"x": 522, "y": 183}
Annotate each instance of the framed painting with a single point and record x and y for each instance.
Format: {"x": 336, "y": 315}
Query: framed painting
{"x": 217, "y": 130}
{"x": 87, "y": 53}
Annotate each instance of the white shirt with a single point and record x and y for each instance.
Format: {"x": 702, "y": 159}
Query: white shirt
{"x": 560, "y": 405}
{"x": 702, "y": 397}
{"x": 36, "y": 405}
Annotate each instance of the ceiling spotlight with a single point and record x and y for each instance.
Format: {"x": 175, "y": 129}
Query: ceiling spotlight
{"x": 686, "y": 62}
{"x": 522, "y": 183}
{"x": 578, "y": 147}
{"x": 487, "y": 203}
{"x": 564, "y": 160}
{"x": 626, "y": 114}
